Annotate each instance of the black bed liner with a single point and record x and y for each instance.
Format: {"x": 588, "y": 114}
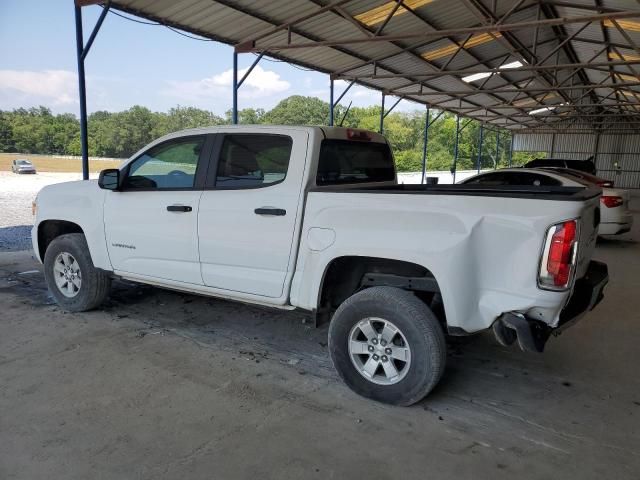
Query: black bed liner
{"x": 571, "y": 194}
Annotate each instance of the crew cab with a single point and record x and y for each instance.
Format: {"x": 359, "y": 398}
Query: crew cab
{"x": 313, "y": 218}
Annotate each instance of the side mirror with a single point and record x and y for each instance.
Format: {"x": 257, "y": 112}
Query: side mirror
{"x": 109, "y": 179}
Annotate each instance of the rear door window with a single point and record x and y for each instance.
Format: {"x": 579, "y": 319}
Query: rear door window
{"x": 253, "y": 160}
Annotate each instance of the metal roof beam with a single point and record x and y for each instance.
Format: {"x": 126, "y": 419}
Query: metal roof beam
{"x": 517, "y": 90}
{"x": 290, "y": 23}
{"x": 576, "y": 106}
{"x": 251, "y": 47}
{"x": 524, "y": 68}
{"x": 571, "y": 54}
{"x": 407, "y": 50}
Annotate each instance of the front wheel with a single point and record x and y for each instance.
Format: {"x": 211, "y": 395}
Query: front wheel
{"x": 387, "y": 345}
{"x": 74, "y": 282}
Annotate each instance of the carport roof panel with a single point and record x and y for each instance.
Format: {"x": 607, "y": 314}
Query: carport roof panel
{"x": 408, "y": 66}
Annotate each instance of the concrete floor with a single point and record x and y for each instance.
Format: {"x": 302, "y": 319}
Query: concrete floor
{"x": 162, "y": 385}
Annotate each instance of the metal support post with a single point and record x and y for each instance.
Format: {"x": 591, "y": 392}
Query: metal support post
{"x": 331, "y": 102}
{"x": 424, "y": 145}
{"x": 84, "y": 144}
{"x": 481, "y": 141}
{"x": 81, "y": 53}
{"x": 234, "y": 111}
{"x": 237, "y": 84}
{"x": 382, "y": 115}
{"x": 455, "y": 149}
{"x": 511, "y": 150}
{"x": 495, "y": 164}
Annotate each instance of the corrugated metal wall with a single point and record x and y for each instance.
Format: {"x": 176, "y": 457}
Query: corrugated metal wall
{"x": 617, "y": 157}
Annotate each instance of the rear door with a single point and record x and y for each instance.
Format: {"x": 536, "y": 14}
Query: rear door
{"x": 250, "y": 211}
{"x": 151, "y": 224}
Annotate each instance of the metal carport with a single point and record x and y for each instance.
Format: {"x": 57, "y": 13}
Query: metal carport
{"x": 546, "y": 68}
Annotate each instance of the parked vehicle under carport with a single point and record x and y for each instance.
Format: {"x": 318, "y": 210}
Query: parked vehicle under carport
{"x": 314, "y": 218}
{"x": 615, "y": 217}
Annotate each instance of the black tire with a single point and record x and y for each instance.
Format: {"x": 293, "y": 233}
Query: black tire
{"x": 420, "y": 328}
{"x": 95, "y": 285}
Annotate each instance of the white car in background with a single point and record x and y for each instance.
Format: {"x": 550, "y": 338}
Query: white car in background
{"x": 615, "y": 217}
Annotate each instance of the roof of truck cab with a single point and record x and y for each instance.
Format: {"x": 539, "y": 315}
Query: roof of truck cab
{"x": 328, "y": 132}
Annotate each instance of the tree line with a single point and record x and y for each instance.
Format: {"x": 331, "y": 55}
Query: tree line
{"x": 120, "y": 134}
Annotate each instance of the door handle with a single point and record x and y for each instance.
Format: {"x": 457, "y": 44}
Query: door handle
{"x": 278, "y": 212}
{"x": 179, "y": 208}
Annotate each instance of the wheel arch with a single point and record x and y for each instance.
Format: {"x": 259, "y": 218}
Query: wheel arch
{"x": 345, "y": 275}
{"x": 50, "y": 229}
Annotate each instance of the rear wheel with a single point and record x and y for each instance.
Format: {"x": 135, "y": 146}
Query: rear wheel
{"x": 387, "y": 345}
{"x": 72, "y": 279}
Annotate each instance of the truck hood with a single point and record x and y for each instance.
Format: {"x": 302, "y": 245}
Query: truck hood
{"x": 76, "y": 186}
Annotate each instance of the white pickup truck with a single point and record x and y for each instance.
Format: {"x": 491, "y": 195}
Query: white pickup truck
{"x": 313, "y": 218}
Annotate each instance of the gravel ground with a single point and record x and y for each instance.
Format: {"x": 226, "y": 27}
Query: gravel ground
{"x": 16, "y": 194}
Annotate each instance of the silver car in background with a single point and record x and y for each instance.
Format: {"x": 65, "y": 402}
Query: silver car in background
{"x": 21, "y": 165}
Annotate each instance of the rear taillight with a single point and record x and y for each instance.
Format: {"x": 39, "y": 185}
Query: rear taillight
{"x": 611, "y": 201}
{"x": 559, "y": 256}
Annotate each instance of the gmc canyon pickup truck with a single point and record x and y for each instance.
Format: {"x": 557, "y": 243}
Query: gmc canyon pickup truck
{"x": 313, "y": 218}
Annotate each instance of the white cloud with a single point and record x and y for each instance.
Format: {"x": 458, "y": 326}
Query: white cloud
{"x": 259, "y": 83}
{"x": 51, "y": 87}
{"x": 356, "y": 91}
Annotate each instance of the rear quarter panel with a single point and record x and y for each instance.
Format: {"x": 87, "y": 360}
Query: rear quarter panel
{"x": 483, "y": 251}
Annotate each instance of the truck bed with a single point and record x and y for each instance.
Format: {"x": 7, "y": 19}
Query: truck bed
{"x": 483, "y": 251}
{"x": 570, "y": 194}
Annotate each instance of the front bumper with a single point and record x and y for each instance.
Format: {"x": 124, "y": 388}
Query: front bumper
{"x": 532, "y": 335}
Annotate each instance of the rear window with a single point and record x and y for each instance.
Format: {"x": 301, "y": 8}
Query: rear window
{"x": 573, "y": 176}
{"x": 543, "y": 162}
{"x": 344, "y": 161}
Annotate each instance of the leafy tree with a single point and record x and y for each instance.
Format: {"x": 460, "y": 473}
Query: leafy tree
{"x": 298, "y": 110}
{"x": 120, "y": 134}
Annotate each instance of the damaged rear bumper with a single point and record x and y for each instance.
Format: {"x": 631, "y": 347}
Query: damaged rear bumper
{"x": 532, "y": 335}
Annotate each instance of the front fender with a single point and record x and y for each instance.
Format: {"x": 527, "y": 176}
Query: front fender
{"x": 81, "y": 203}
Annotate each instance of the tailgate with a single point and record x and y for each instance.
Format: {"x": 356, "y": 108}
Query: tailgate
{"x": 589, "y": 221}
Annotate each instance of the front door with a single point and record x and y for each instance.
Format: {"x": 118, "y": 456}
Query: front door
{"x": 249, "y": 213}
{"x": 151, "y": 224}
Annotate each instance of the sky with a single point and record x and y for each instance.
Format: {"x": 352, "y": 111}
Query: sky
{"x": 136, "y": 64}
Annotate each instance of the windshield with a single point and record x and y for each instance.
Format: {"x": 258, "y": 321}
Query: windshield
{"x": 345, "y": 161}
{"x": 23, "y": 162}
